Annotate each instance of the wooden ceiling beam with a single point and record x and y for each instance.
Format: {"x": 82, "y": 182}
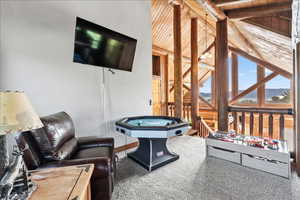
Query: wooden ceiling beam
{"x": 216, "y": 13}
{"x": 163, "y": 51}
{"x": 215, "y": 10}
{"x": 195, "y": 7}
{"x": 243, "y": 13}
{"x": 260, "y": 62}
{"x": 220, "y": 3}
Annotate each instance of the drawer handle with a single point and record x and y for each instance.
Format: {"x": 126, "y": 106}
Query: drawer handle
{"x": 221, "y": 149}
{"x": 265, "y": 159}
{"x": 178, "y": 133}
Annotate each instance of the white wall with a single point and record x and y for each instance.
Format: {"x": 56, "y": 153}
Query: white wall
{"x": 36, "y": 48}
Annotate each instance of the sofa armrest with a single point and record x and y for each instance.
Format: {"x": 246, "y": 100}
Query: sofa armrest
{"x": 102, "y": 166}
{"x": 91, "y": 142}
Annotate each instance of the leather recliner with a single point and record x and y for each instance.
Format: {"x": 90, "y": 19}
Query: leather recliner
{"x": 55, "y": 145}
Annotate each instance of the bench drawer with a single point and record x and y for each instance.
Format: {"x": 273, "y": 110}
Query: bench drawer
{"x": 224, "y": 154}
{"x": 260, "y": 163}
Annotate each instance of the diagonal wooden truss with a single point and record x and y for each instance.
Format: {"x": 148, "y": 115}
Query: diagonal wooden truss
{"x": 253, "y": 87}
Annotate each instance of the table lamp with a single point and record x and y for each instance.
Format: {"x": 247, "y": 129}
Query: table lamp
{"x": 16, "y": 116}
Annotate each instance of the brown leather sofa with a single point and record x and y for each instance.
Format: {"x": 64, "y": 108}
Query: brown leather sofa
{"x": 55, "y": 145}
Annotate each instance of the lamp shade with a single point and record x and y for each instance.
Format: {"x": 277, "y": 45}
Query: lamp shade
{"x": 16, "y": 113}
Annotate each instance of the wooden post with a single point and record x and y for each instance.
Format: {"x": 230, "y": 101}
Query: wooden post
{"x": 222, "y": 74}
{"x": 213, "y": 88}
{"x": 166, "y": 83}
{"x": 194, "y": 70}
{"x": 260, "y": 89}
{"x": 234, "y": 75}
{"x": 178, "y": 95}
{"x": 297, "y": 105}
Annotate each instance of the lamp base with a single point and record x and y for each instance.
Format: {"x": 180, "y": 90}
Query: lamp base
{"x": 16, "y": 184}
{"x": 22, "y": 194}
{"x": 4, "y": 160}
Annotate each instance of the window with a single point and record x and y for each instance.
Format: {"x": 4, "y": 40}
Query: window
{"x": 205, "y": 90}
{"x": 247, "y": 76}
{"x": 277, "y": 90}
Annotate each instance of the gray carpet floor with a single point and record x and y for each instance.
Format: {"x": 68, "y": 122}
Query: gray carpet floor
{"x": 194, "y": 177}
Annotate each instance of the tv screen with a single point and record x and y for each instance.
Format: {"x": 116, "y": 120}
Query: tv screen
{"x": 99, "y": 46}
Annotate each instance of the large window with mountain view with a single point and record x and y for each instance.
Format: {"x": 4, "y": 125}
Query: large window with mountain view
{"x": 277, "y": 90}
{"x": 247, "y": 76}
{"x": 205, "y": 90}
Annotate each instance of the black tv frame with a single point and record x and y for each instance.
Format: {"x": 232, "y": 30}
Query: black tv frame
{"x": 113, "y": 34}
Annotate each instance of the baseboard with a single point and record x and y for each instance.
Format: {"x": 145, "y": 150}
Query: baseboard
{"x": 126, "y": 147}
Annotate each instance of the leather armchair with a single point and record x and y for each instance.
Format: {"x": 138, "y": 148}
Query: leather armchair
{"x": 55, "y": 145}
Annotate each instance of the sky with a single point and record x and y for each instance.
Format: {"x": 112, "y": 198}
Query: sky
{"x": 247, "y": 77}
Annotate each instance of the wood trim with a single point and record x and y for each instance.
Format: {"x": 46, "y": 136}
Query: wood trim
{"x": 260, "y": 89}
{"x": 221, "y": 59}
{"x": 213, "y": 88}
{"x": 257, "y": 11}
{"x": 285, "y": 111}
{"x": 126, "y": 147}
{"x": 297, "y": 105}
{"x": 234, "y": 75}
{"x": 194, "y": 71}
{"x": 294, "y": 103}
{"x": 178, "y": 80}
{"x": 166, "y": 83}
{"x": 253, "y": 87}
{"x": 162, "y": 51}
{"x": 274, "y": 106}
{"x": 266, "y": 64}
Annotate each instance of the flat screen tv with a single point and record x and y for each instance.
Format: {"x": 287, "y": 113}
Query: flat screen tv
{"x": 99, "y": 46}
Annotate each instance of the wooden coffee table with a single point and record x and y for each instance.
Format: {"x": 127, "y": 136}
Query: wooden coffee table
{"x": 64, "y": 183}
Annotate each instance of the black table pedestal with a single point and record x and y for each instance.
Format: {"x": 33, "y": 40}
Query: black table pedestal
{"x": 152, "y": 153}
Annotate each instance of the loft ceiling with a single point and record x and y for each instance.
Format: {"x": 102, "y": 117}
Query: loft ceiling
{"x": 265, "y": 36}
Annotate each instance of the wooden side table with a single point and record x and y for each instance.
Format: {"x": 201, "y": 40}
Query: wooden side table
{"x": 64, "y": 183}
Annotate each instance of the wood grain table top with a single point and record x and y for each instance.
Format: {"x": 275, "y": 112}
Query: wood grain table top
{"x": 64, "y": 183}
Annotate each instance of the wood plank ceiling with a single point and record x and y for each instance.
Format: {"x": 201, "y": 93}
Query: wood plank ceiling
{"x": 266, "y": 37}
{"x": 162, "y": 34}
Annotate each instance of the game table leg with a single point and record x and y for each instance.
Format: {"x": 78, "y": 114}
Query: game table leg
{"x": 152, "y": 153}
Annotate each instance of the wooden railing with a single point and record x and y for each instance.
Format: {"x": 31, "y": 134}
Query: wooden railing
{"x": 203, "y": 129}
{"x": 202, "y": 126}
{"x": 264, "y": 122}
{"x": 186, "y": 110}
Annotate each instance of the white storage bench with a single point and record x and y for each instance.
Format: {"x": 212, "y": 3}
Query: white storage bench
{"x": 272, "y": 161}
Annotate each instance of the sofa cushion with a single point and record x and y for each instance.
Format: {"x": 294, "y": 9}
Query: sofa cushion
{"x": 93, "y": 153}
{"x": 58, "y": 129}
{"x": 66, "y": 150}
